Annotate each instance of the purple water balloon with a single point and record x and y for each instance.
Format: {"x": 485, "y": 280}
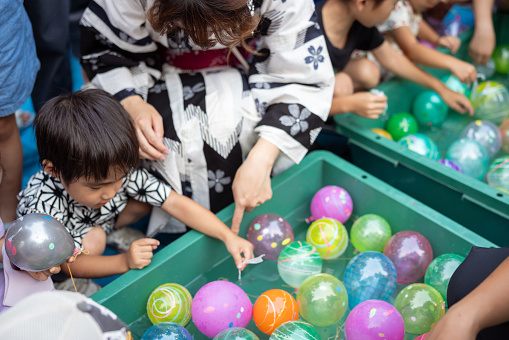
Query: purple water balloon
{"x": 331, "y": 201}
{"x": 374, "y": 320}
{"x": 219, "y": 305}
{"x": 450, "y": 164}
{"x": 269, "y": 234}
{"x": 411, "y": 253}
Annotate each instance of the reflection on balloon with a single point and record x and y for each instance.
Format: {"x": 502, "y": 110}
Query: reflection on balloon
{"x": 269, "y": 234}
{"x": 370, "y": 232}
{"x": 166, "y": 331}
{"x": 421, "y": 144}
{"x": 470, "y": 156}
{"x": 297, "y": 261}
{"x": 170, "y": 302}
{"x": 486, "y": 133}
{"x": 440, "y": 270}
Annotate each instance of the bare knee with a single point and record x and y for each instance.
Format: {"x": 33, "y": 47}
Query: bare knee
{"x": 133, "y": 212}
{"x": 94, "y": 241}
{"x": 367, "y": 75}
{"x": 343, "y": 85}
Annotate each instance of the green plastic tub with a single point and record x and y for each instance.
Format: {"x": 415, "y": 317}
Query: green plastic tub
{"x": 195, "y": 259}
{"x": 470, "y": 202}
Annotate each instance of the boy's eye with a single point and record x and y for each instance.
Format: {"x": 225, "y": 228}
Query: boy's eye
{"x": 95, "y": 188}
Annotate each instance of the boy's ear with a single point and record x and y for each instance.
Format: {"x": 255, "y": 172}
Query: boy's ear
{"x": 48, "y": 167}
{"x": 360, "y": 5}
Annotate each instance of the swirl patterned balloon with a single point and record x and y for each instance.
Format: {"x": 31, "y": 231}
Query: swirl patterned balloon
{"x": 295, "y": 330}
{"x": 490, "y": 101}
{"x": 297, "y": 261}
{"x": 440, "y": 271}
{"x": 166, "y": 331}
{"x": 273, "y": 308}
{"x": 454, "y": 84}
{"x": 421, "y": 144}
{"x": 37, "y": 242}
{"x": 269, "y": 234}
{"x": 369, "y": 275}
{"x": 470, "y": 156}
{"x": 170, "y": 302}
{"x": 411, "y": 254}
{"x": 421, "y": 306}
{"x": 332, "y": 201}
{"x": 236, "y": 333}
{"x": 370, "y": 232}
{"x": 329, "y": 237}
{"x": 450, "y": 164}
{"x": 486, "y": 133}
{"x": 374, "y": 320}
{"x": 498, "y": 174}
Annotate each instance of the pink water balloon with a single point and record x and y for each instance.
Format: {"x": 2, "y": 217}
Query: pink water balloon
{"x": 331, "y": 201}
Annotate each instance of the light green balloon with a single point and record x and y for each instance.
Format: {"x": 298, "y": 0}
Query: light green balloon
{"x": 295, "y": 330}
{"x": 421, "y": 306}
{"x": 370, "y": 233}
{"x": 440, "y": 270}
{"x": 236, "y": 333}
{"x": 322, "y": 300}
{"x": 297, "y": 261}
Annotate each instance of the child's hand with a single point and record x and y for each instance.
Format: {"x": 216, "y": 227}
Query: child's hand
{"x": 465, "y": 72}
{"x": 241, "y": 249}
{"x": 456, "y": 101}
{"x": 452, "y": 43}
{"x": 368, "y": 105}
{"x": 140, "y": 254}
{"x": 43, "y": 275}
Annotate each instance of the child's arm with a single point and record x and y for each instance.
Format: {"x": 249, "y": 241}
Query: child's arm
{"x": 426, "y": 56}
{"x": 427, "y": 33}
{"x": 483, "y": 42}
{"x": 364, "y": 104}
{"x": 197, "y": 217}
{"x": 486, "y": 306}
{"x": 401, "y": 66}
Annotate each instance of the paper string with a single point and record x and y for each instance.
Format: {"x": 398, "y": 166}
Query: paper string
{"x": 254, "y": 260}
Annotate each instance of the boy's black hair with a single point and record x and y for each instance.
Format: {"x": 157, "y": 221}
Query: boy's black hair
{"x": 86, "y": 134}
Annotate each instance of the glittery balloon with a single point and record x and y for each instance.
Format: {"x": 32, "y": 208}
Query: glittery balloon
{"x": 382, "y": 132}
{"x": 504, "y": 131}
{"x": 454, "y": 84}
{"x": 332, "y": 201}
{"x": 429, "y": 109}
{"x": 269, "y": 234}
{"x": 421, "y": 144}
{"x": 501, "y": 58}
{"x": 450, "y": 164}
{"x": 374, "y": 320}
{"x": 440, "y": 270}
{"x": 236, "y": 333}
{"x": 329, "y": 237}
{"x": 295, "y": 330}
{"x": 421, "y": 306}
{"x": 170, "y": 302}
{"x": 370, "y": 232}
{"x": 219, "y": 305}
{"x": 166, "y": 331}
{"x": 273, "y": 308}
{"x": 486, "y": 133}
{"x": 400, "y": 125}
{"x": 37, "y": 242}
{"x": 470, "y": 156}
{"x": 498, "y": 174}
{"x": 411, "y": 254}
{"x": 369, "y": 275}
{"x": 322, "y": 300}
{"x": 490, "y": 101}
{"x": 297, "y": 261}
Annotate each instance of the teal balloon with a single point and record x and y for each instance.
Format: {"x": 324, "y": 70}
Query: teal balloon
{"x": 501, "y": 58}
{"x": 295, "y": 330}
{"x": 429, "y": 109}
{"x": 454, "y": 84}
{"x": 421, "y": 144}
{"x": 400, "y": 125}
{"x": 236, "y": 333}
{"x": 440, "y": 271}
{"x": 470, "y": 156}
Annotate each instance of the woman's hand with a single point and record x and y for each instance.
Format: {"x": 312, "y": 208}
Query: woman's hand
{"x": 149, "y": 127}
{"x": 368, "y": 105}
{"x": 456, "y": 101}
{"x": 251, "y": 185}
{"x": 240, "y": 249}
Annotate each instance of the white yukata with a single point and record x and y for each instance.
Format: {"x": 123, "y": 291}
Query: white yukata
{"x": 212, "y": 116}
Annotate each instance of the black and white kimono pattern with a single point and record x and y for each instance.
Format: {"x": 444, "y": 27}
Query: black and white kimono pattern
{"x": 45, "y": 193}
{"x": 213, "y": 117}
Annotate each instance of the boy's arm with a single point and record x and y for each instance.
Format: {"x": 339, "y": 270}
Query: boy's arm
{"x": 486, "y": 306}
{"x": 426, "y": 56}
{"x": 403, "y": 67}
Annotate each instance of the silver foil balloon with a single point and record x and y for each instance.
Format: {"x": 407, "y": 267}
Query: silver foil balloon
{"x": 37, "y": 242}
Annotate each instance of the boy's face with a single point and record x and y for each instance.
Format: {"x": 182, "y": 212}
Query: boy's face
{"x": 373, "y": 14}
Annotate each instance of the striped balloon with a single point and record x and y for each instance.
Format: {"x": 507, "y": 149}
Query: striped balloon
{"x": 295, "y": 330}
{"x": 329, "y": 237}
{"x": 273, "y": 308}
{"x": 332, "y": 201}
{"x": 170, "y": 302}
{"x": 297, "y": 261}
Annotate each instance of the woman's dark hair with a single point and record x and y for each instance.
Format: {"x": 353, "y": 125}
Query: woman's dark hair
{"x": 206, "y": 22}
{"x": 86, "y": 134}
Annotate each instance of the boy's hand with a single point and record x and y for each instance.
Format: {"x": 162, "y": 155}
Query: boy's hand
{"x": 465, "y": 72}
{"x": 241, "y": 249}
{"x": 140, "y": 253}
{"x": 43, "y": 275}
{"x": 456, "y": 101}
{"x": 450, "y": 42}
{"x": 368, "y": 105}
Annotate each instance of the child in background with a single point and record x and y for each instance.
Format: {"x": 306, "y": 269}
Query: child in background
{"x": 349, "y": 25}
{"x": 405, "y": 25}
{"x": 91, "y": 183}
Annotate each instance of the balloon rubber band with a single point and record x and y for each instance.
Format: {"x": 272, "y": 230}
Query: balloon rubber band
{"x": 86, "y": 252}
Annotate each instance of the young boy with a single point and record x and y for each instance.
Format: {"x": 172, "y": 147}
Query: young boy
{"x": 91, "y": 183}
